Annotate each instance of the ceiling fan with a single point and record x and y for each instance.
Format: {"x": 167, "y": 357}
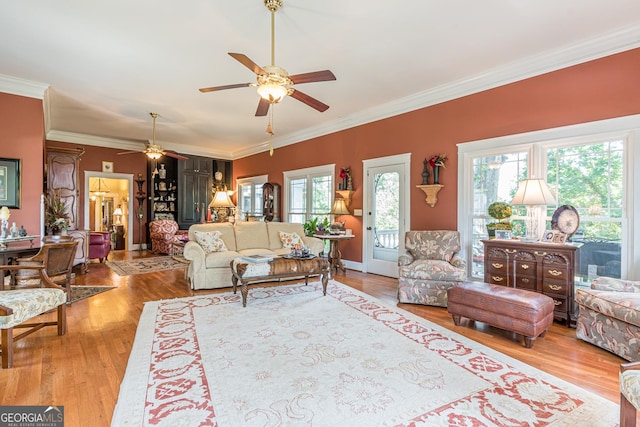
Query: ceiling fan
{"x": 153, "y": 150}
{"x": 273, "y": 81}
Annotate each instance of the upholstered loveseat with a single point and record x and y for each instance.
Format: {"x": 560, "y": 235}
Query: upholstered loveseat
{"x": 429, "y": 267}
{"x": 211, "y": 270}
{"x": 610, "y": 316}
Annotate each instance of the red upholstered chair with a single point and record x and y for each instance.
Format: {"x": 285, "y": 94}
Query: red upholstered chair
{"x": 164, "y": 232}
{"x": 99, "y": 245}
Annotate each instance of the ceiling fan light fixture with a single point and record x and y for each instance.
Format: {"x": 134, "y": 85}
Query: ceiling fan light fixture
{"x": 272, "y": 93}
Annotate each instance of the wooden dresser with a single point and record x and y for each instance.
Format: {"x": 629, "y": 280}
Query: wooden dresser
{"x": 541, "y": 267}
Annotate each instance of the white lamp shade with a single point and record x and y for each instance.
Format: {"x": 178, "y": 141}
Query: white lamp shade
{"x": 339, "y": 208}
{"x": 222, "y": 200}
{"x": 533, "y": 192}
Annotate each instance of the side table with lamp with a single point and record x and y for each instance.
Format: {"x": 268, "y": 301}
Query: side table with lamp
{"x": 336, "y": 235}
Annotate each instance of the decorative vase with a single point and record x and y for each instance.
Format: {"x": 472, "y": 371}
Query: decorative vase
{"x": 14, "y": 230}
{"x": 436, "y": 175}
{"x": 162, "y": 172}
{"x": 349, "y": 183}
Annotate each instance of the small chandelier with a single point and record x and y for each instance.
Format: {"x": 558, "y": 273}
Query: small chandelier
{"x": 100, "y": 188}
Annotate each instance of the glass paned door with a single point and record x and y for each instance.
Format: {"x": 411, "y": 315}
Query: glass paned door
{"x": 384, "y": 219}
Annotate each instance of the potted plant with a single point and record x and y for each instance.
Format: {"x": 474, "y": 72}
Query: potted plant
{"x": 315, "y": 226}
{"x": 55, "y": 214}
{"x": 498, "y": 211}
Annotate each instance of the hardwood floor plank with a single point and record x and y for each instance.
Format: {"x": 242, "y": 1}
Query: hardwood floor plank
{"x": 82, "y": 370}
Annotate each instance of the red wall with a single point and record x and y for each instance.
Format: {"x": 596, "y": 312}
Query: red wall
{"x": 22, "y": 137}
{"x": 596, "y": 90}
{"x": 92, "y": 159}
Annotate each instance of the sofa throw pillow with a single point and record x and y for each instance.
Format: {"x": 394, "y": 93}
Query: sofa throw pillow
{"x": 291, "y": 240}
{"x": 210, "y": 241}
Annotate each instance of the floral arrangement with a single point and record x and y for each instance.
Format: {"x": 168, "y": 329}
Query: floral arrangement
{"x": 345, "y": 175}
{"x": 55, "y": 215}
{"x": 437, "y": 160}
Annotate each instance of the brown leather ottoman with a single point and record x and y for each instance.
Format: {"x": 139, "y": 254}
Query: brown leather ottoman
{"x": 517, "y": 310}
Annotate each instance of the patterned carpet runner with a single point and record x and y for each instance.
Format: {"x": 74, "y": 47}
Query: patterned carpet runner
{"x": 145, "y": 265}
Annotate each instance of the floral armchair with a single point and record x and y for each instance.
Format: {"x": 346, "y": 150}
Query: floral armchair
{"x": 430, "y": 266}
{"x": 610, "y": 316}
{"x": 164, "y": 233}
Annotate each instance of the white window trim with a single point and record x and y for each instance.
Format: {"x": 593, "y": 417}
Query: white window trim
{"x": 627, "y": 128}
{"x": 304, "y": 173}
{"x": 253, "y": 180}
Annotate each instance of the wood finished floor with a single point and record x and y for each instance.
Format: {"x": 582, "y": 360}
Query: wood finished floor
{"x": 83, "y": 369}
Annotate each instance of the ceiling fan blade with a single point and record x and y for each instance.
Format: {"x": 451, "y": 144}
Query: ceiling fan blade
{"x": 263, "y": 108}
{"x": 244, "y": 60}
{"x": 175, "y": 155}
{"x": 131, "y": 152}
{"x": 316, "y": 76}
{"x": 216, "y": 88}
{"x": 310, "y": 101}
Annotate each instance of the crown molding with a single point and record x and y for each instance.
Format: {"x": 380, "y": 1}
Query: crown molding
{"x": 566, "y": 56}
{"x": 22, "y": 87}
{"x": 96, "y": 141}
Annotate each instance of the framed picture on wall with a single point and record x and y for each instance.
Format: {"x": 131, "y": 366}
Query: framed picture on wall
{"x": 10, "y": 180}
{"x": 107, "y": 166}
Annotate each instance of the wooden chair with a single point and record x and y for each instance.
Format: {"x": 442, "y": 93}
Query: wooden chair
{"x": 58, "y": 261}
{"x": 26, "y": 301}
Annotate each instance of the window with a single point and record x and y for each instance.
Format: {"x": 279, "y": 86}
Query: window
{"x": 589, "y": 177}
{"x": 250, "y": 196}
{"x": 308, "y": 193}
{"x": 592, "y": 172}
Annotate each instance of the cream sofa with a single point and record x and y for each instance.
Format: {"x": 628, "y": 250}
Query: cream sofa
{"x": 210, "y": 271}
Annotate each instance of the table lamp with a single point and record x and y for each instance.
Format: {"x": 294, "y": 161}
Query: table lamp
{"x": 220, "y": 203}
{"x": 532, "y": 193}
{"x": 339, "y": 208}
{"x": 118, "y": 214}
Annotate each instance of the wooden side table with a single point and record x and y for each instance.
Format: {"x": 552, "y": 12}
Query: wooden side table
{"x": 335, "y": 256}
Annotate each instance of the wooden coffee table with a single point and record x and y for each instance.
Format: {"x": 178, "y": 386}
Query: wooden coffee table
{"x": 247, "y": 272}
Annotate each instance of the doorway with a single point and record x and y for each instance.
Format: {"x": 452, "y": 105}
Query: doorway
{"x": 108, "y": 206}
{"x": 386, "y": 199}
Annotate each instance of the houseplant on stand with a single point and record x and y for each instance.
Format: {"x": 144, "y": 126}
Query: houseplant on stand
{"x": 498, "y": 211}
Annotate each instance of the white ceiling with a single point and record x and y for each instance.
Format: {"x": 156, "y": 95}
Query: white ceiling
{"x": 108, "y": 64}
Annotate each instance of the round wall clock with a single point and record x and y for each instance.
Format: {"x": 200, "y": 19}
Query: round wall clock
{"x": 565, "y": 219}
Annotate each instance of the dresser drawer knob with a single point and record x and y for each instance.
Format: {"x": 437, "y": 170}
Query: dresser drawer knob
{"x": 497, "y": 265}
{"x": 556, "y": 302}
{"x": 555, "y": 287}
{"x": 510, "y": 251}
{"x": 540, "y": 253}
{"x": 525, "y": 266}
{"x": 525, "y": 280}
{"x": 555, "y": 273}
{"x": 497, "y": 278}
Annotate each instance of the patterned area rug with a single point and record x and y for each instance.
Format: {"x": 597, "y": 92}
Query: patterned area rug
{"x": 296, "y": 357}
{"x": 80, "y": 292}
{"x": 145, "y": 265}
